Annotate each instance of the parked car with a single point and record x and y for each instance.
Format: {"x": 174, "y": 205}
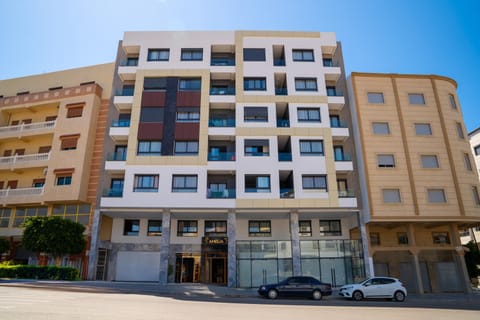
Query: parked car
{"x": 297, "y": 287}
{"x": 376, "y": 287}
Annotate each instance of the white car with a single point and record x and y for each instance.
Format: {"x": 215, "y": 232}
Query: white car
{"x": 376, "y": 287}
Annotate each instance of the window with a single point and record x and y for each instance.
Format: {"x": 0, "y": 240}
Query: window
{"x": 374, "y": 238}
{"x": 187, "y": 228}
{"x": 131, "y": 62}
{"x": 255, "y": 183}
{"x": 423, "y": 129}
{"x": 253, "y": 54}
{"x": 314, "y": 182}
{"x": 386, "y": 161}
{"x": 308, "y": 114}
{"x": 215, "y": 228}
{"x": 436, "y": 196}
{"x": 5, "y": 214}
{"x": 151, "y": 114}
{"x": 402, "y": 238}
{"x": 381, "y": 128}
{"x": 305, "y": 228}
{"x": 158, "y": 54}
{"x": 416, "y": 98}
{"x": 188, "y": 116}
{"x": 154, "y": 228}
{"x": 302, "y": 55}
{"x": 76, "y": 212}
{"x": 440, "y": 238}
{"x": 391, "y": 195}
{"x": 429, "y": 161}
{"x": 38, "y": 183}
{"x": 460, "y": 133}
{"x": 311, "y": 147}
{"x": 476, "y": 149}
{"x": 254, "y": 84}
{"x": 186, "y": 147}
{"x": 22, "y": 213}
{"x": 192, "y": 54}
{"x": 74, "y": 111}
{"x": 69, "y": 142}
{"x": 257, "y": 148}
{"x": 330, "y": 228}
{"x": 131, "y": 227}
{"x": 468, "y": 163}
{"x": 193, "y": 84}
{"x": 145, "y": 183}
{"x": 306, "y": 84}
{"x": 375, "y": 97}
{"x": 64, "y": 180}
{"x": 154, "y": 84}
{"x": 260, "y": 228}
{"x": 476, "y": 197}
{"x": 453, "y": 104}
{"x": 184, "y": 183}
{"x": 149, "y": 148}
{"x": 255, "y": 114}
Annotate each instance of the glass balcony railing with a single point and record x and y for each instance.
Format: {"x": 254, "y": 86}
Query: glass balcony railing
{"x": 279, "y": 62}
{"x": 338, "y": 124}
{"x": 343, "y": 157}
{"x": 221, "y": 194}
{"x": 283, "y": 123}
{"x": 334, "y": 92}
{"x": 281, "y": 91}
{"x": 126, "y": 92}
{"x": 117, "y": 156}
{"x": 257, "y": 190}
{"x": 284, "y": 156}
{"x": 257, "y": 154}
{"x": 330, "y": 63}
{"x": 121, "y": 123}
{"x": 222, "y": 61}
{"x": 287, "y": 193}
{"x": 130, "y": 62}
{"x": 346, "y": 194}
{"x": 222, "y": 91}
{"x": 221, "y": 123}
{"x": 113, "y": 193}
{"x": 221, "y": 156}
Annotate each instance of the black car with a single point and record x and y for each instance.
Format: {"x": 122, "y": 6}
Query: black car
{"x": 296, "y": 287}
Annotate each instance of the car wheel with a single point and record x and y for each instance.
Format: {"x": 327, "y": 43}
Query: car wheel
{"x": 317, "y": 295}
{"x": 272, "y": 294}
{"x": 357, "y": 295}
{"x": 399, "y": 296}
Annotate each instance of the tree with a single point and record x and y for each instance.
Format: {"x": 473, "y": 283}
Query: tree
{"x": 53, "y": 235}
{"x": 4, "y": 245}
{"x": 472, "y": 259}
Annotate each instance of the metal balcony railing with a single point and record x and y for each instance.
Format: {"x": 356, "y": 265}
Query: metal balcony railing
{"x": 221, "y": 156}
{"x": 21, "y": 192}
{"x": 281, "y": 91}
{"x": 222, "y": 91}
{"x": 283, "y": 123}
{"x": 117, "y": 156}
{"x": 27, "y": 127}
{"x": 343, "y": 157}
{"x": 221, "y": 194}
{"x": 113, "y": 193}
{"x": 346, "y": 194}
{"x": 222, "y": 61}
{"x": 11, "y": 161}
{"x": 121, "y": 123}
{"x": 221, "y": 123}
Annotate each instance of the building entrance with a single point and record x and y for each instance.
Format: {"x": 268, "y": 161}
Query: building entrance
{"x": 214, "y": 262}
{"x": 187, "y": 268}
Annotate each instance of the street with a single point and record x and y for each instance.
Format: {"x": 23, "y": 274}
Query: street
{"x": 57, "y": 303}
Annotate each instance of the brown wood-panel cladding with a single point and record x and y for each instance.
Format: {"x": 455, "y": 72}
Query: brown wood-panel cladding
{"x": 153, "y": 99}
{"x": 188, "y": 98}
{"x": 150, "y": 131}
{"x": 187, "y": 131}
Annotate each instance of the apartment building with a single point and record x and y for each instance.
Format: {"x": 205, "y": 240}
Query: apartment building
{"x": 51, "y": 141}
{"x": 419, "y": 182}
{"x": 229, "y": 161}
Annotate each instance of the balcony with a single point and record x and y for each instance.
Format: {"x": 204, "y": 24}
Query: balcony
{"x": 21, "y": 195}
{"x": 121, "y": 123}
{"x": 283, "y": 123}
{"x": 222, "y": 194}
{"x": 123, "y": 99}
{"x": 222, "y": 91}
{"x": 335, "y": 98}
{"x": 221, "y": 156}
{"x": 332, "y": 69}
{"x": 127, "y": 69}
{"x": 119, "y": 133}
{"x": 287, "y": 193}
{"x": 221, "y": 123}
{"x": 29, "y": 129}
{"x": 284, "y": 156}
{"x": 24, "y": 161}
{"x": 281, "y": 91}
{"x": 347, "y": 199}
{"x": 343, "y": 162}
{"x": 112, "y": 193}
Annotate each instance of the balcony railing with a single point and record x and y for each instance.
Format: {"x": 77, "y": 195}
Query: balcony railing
{"x": 257, "y": 190}
{"x": 338, "y": 124}
{"x": 221, "y": 156}
{"x": 121, "y": 123}
{"x": 257, "y": 154}
{"x": 117, "y": 156}
{"x": 222, "y": 61}
{"x": 21, "y": 192}
{"x": 281, "y": 91}
{"x": 343, "y": 157}
{"x": 283, "y": 123}
{"x": 222, "y": 91}
{"x": 279, "y": 62}
{"x": 19, "y": 159}
{"x": 113, "y": 193}
{"x": 222, "y": 194}
{"x": 221, "y": 123}
{"x": 346, "y": 194}
{"x": 30, "y": 127}
{"x": 125, "y": 92}
{"x": 284, "y": 156}
{"x": 131, "y": 62}
{"x": 287, "y": 193}
{"x": 334, "y": 92}
{"x": 330, "y": 63}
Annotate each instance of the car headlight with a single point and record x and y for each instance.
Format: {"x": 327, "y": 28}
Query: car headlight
{"x": 263, "y": 288}
{"x": 346, "y": 288}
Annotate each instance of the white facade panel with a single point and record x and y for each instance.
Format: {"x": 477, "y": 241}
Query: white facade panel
{"x": 119, "y": 237}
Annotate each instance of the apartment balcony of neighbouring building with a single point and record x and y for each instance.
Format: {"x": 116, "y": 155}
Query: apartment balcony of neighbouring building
{"x": 284, "y": 149}
{"x": 287, "y": 190}
{"x": 123, "y": 98}
{"x": 219, "y": 150}
{"x": 279, "y": 56}
{"x": 222, "y": 56}
{"x": 21, "y": 195}
{"x": 221, "y": 116}
{"x": 281, "y": 84}
{"x": 222, "y": 87}
{"x": 113, "y": 195}
{"x": 27, "y": 129}
{"x": 282, "y": 112}
{"x": 332, "y": 69}
{"x": 127, "y": 68}
{"x": 343, "y": 161}
{"x": 115, "y": 162}
{"x": 24, "y": 161}
{"x": 120, "y": 128}
{"x": 347, "y": 199}
{"x": 335, "y": 97}
{"x": 221, "y": 185}
{"x": 340, "y": 130}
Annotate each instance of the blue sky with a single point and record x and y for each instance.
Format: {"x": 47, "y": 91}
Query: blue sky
{"x": 409, "y": 36}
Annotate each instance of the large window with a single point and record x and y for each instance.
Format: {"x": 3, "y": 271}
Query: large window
{"x": 253, "y": 54}
{"x": 375, "y": 97}
{"x": 429, "y": 161}
{"x": 254, "y": 183}
{"x": 305, "y": 228}
{"x": 308, "y": 114}
{"x": 306, "y": 84}
{"x": 436, "y": 196}
{"x": 215, "y": 228}
{"x": 193, "y": 84}
{"x": 63, "y": 180}
{"x": 302, "y": 55}
{"x": 186, "y": 147}
{"x": 5, "y": 214}
{"x": 192, "y": 54}
{"x": 386, "y": 161}
{"x": 259, "y": 228}
{"x": 158, "y": 54}
{"x": 75, "y": 212}
{"x": 257, "y": 148}
{"x": 391, "y": 195}
{"x": 381, "y": 128}
{"x": 154, "y": 228}
{"x": 22, "y": 213}
{"x": 311, "y": 148}
{"x": 131, "y": 227}
{"x": 145, "y": 183}
{"x": 187, "y": 228}
{"x": 155, "y": 84}
{"x": 423, "y": 129}
{"x": 188, "y": 116}
{"x": 416, "y": 98}
{"x": 254, "y": 84}
{"x": 314, "y": 182}
{"x": 330, "y": 228}
{"x": 255, "y": 114}
{"x": 149, "y": 148}
{"x": 184, "y": 183}
{"x": 151, "y": 114}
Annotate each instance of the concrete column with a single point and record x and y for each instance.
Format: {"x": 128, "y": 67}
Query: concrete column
{"x": 295, "y": 237}
{"x": 164, "y": 247}
{"x": 412, "y": 242}
{"x": 368, "y": 260}
{"x": 92, "y": 253}
{"x": 460, "y": 258}
{"x": 232, "y": 249}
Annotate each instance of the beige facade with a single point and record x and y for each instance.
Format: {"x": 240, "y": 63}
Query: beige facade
{"x": 51, "y": 142}
{"x": 418, "y": 181}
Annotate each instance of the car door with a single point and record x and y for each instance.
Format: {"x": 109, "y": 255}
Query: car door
{"x": 288, "y": 287}
{"x": 371, "y": 288}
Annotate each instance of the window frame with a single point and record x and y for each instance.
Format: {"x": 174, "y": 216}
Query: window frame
{"x": 138, "y": 182}
{"x": 402, "y": 238}
{"x": 307, "y": 228}
{"x": 184, "y": 187}
{"x": 476, "y": 196}
{"x": 159, "y": 51}
{"x": 434, "y": 192}
{"x": 69, "y": 142}
{"x": 374, "y": 96}
{"x": 310, "y": 143}
{"x": 266, "y": 225}
{"x": 192, "y": 116}
{"x": 386, "y": 164}
{"x": 303, "y": 58}
{"x": 259, "y": 84}
{"x": 189, "y": 84}
{"x": 258, "y": 189}
{"x": 476, "y": 150}
{"x": 258, "y": 115}
{"x": 188, "y": 54}
{"x": 149, "y": 153}
{"x": 306, "y": 81}
{"x": 159, "y": 228}
{"x": 378, "y": 126}
{"x": 431, "y": 156}
{"x": 189, "y": 228}
{"x": 63, "y": 179}
{"x": 374, "y": 238}
{"x": 251, "y": 147}
{"x": 397, "y": 192}
{"x": 423, "y": 126}
{"x": 453, "y": 102}
{"x": 441, "y": 237}
{"x": 460, "y": 132}
{"x": 468, "y": 162}
{"x": 215, "y": 226}
{"x": 131, "y": 231}
{"x": 412, "y": 99}
{"x": 319, "y": 182}
{"x": 331, "y": 227}
{"x": 74, "y": 111}
{"x": 308, "y": 111}
{"x": 188, "y": 144}
{"x": 258, "y": 54}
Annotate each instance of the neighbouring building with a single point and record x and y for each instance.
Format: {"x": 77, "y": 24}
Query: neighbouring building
{"x": 229, "y": 161}
{"x": 51, "y": 133}
{"x": 419, "y": 182}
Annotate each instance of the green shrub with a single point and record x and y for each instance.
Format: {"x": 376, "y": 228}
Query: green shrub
{"x": 39, "y": 272}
